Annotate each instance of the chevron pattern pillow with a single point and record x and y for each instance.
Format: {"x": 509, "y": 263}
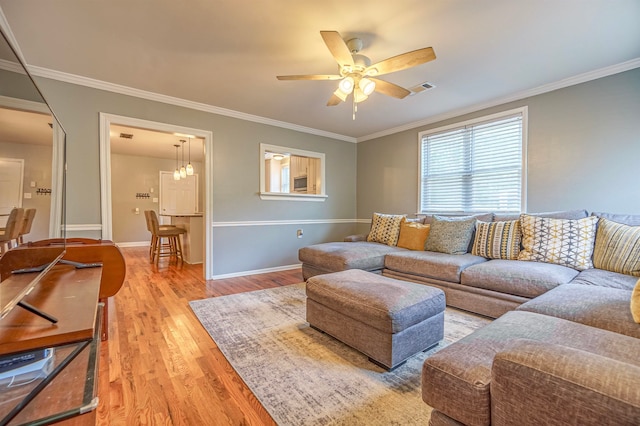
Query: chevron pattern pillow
{"x": 385, "y": 228}
{"x": 617, "y": 248}
{"x": 564, "y": 242}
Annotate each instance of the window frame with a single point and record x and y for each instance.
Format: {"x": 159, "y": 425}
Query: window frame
{"x": 522, "y": 111}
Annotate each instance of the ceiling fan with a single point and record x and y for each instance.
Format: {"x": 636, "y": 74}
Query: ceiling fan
{"x": 356, "y": 74}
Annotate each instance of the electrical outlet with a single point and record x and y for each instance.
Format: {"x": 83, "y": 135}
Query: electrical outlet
{"x": 299, "y": 233}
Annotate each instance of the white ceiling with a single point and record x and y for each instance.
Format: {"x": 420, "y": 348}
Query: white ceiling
{"x": 25, "y": 127}
{"x": 149, "y": 143}
{"x": 227, "y": 53}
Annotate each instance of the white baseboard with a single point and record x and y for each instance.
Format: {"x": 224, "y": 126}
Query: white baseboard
{"x": 257, "y": 271}
{"x": 134, "y": 244}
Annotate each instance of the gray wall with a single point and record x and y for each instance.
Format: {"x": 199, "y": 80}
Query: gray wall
{"x": 235, "y": 175}
{"x": 583, "y": 151}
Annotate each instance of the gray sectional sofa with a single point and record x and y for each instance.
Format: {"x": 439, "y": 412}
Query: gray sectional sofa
{"x": 473, "y": 283}
{"x": 564, "y": 349}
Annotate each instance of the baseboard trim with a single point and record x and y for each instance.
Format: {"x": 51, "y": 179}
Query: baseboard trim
{"x": 134, "y": 244}
{"x": 257, "y": 271}
{"x": 83, "y": 227}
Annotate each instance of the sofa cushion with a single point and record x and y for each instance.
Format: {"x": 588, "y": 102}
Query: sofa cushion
{"x": 617, "y": 248}
{"x": 602, "y": 278}
{"x": 385, "y": 228}
{"x": 635, "y": 303}
{"x": 538, "y": 383}
{"x": 413, "y": 235}
{"x": 517, "y": 277}
{"x": 340, "y": 256}
{"x": 601, "y": 307}
{"x": 626, "y": 219}
{"x": 497, "y": 240}
{"x": 440, "y": 266}
{"x": 561, "y": 214}
{"x": 450, "y": 235}
{"x": 457, "y": 379}
{"x": 567, "y": 242}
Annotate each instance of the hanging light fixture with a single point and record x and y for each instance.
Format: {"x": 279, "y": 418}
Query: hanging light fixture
{"x": 183, "y": 169}
{"x": 176, "y": 172}
{"x": 189, "y": 166}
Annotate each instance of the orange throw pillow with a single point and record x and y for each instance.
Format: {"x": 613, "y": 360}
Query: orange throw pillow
{"x": 413, "y": 235}
{"x": 635, "y": 303}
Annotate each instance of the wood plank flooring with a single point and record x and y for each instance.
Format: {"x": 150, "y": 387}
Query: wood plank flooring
{"x": 159, "y": 366}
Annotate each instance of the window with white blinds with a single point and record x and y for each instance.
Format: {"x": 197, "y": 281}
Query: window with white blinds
{"x": 474, "y": 167}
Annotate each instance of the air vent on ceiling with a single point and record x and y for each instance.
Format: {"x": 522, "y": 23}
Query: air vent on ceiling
{"x": 422, "y": 87}
{"x": 126, "y": 135}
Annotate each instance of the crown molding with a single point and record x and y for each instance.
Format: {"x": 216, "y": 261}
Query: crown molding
{"x": 571, "y": 81}
{"x": 157, "y": 97}
{"x": 143, "y": 94}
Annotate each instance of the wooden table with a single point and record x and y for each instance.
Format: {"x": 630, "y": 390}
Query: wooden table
{"x": 70, "y": 295}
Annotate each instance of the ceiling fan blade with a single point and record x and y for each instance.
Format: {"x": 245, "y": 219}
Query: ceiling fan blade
{"x": 390, "y": 89}
{"x": 334, "y": 100}
{"x": 401, "y": 62}
{"x": 337, "y": 47}
{"x": 309, "y": 77}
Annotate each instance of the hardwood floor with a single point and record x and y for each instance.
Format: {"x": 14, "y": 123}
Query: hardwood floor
{"x": 159, "y": 366}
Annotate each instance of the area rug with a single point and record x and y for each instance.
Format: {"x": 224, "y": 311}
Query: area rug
{"x": 304, "y": 377}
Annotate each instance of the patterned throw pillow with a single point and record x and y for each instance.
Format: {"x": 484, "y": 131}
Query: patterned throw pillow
{"x": 385, "y": 228}
{"x": 413, "y": 235}
{"x": 635, "y": 303}
{"x": 617, "y": 248}
{"x": 566, "y": 242}
{"x": 497, "y": 240}
{"x": 450, "y": 235}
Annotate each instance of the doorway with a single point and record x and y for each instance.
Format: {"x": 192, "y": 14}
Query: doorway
{"x": 107, "y": 121}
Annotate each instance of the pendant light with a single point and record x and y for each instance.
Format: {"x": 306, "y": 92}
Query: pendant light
{"x": 176, "y": 172}
{"x": 183, "y": 170}
{"x": 189, "y": 166}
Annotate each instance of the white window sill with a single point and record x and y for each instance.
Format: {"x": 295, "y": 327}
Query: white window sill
{"x": 292, "y": 197}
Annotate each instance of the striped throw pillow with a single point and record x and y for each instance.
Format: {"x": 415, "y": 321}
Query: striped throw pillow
{"x": 617, "y": 248}
{"x": 497, "y": 240}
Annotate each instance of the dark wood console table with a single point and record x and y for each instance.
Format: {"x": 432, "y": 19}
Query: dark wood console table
{"x": 69, "y": 389}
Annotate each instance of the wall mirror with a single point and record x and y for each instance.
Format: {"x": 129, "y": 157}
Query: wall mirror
{"x": 291, "y": 174}
{"x": 32, "y": 170}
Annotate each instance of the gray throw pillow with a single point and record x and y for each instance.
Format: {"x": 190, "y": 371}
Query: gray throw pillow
{"x": 450, "y": 235}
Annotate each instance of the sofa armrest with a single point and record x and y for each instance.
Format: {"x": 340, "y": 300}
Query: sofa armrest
{"x": 356, "y": 238}
{"x": 540, "y": 383}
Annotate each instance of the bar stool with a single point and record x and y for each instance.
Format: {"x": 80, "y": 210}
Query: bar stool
{"x": 173, "y": 247}
{"x": 11, "y": 230}
{"x": 27, "y": 221}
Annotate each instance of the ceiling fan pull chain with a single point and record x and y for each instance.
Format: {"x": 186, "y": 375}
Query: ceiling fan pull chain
{"x": 355, "y": 107}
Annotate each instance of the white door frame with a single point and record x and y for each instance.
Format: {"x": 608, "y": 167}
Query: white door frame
{"x": 57, "y": 160}
{"x": 106, "y": 120}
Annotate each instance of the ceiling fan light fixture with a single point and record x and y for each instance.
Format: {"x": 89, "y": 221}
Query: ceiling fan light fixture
{"x": 189, "y": 166}
{"x": 367, "y": 86}
{"x": 346, "y": 85}
{"x": 359, "y": 95}
{"x": 176, "y": 172}
{"x": 340, "y": 95}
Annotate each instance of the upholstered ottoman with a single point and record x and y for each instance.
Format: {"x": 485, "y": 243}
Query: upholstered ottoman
{"x": 386, "y": 319}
